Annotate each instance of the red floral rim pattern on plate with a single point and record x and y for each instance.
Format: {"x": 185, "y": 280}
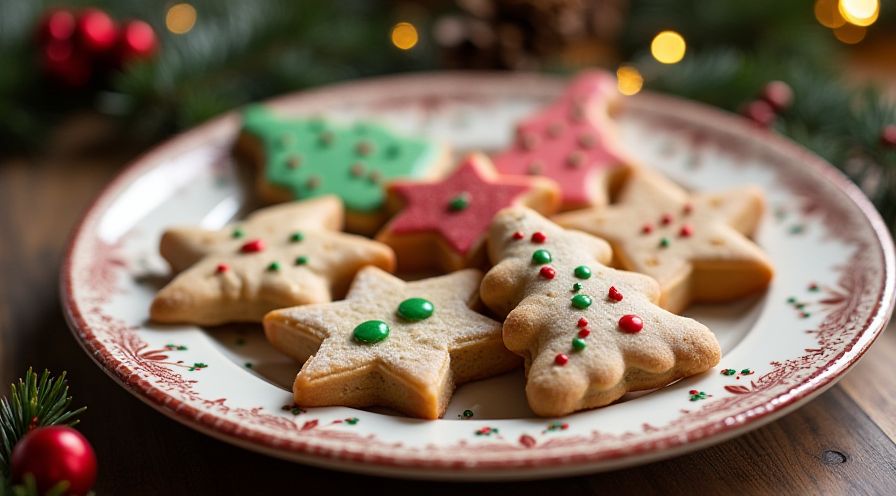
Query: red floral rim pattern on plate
{"x": 855, "y": 313}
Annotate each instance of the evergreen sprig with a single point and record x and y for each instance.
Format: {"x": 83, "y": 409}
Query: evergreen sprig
{"x": 33, "y": 402}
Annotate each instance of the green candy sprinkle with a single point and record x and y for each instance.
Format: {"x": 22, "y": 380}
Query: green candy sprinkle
{"x": 459, "y": 202}
{"x": 415, "y": 309}
{"x": 664, "y": 242}
{"x": 468, "y": 413}
{"x": 578, "y": 344}
{"x": 541, "y": 257}
{"x": 237, "y": 233}
{"x": 301, "y": 260}
{"x": 577, "y": 287}
{"x": 582, "y": 272}
{"x": 274, "y": 266}
{"x": 746, "y": 371}
{"x": 581, "y": 301}
{"x": 729, "y": 372}
{"x": 371, "y": 331}
{"x": 296, "y": 237}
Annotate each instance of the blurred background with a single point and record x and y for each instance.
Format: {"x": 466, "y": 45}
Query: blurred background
{"x": 822, "y": 72}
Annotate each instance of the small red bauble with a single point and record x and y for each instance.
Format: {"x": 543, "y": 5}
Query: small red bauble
{"x": 96, "y": 31}
{"x": 561, "y": 359}
{"x": 583, "y": 322}
{"x": 614, "y": 294}
{"x": 760, "y": 112}
{"x": 56, "y": 25}
{"x": 52, "y": 455}
{"x": 517, "y": 235}
{"x": 254, "y": 246}
{"x": 547, "y": 272}
{"x": 64, "y": 65}
{"x": 538, "y": 237}
{"x": 888, "y": 136}
{"x": 778, "y": 95}
{"x": 584, "y": 332}
{"x": 631, "y": 323}
{"x": 136, "y": 41}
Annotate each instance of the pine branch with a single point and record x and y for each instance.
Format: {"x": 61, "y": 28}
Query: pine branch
{"x": 33, "y": 402}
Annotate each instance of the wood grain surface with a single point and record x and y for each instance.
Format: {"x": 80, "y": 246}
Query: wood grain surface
{"x": 840, "y": 443}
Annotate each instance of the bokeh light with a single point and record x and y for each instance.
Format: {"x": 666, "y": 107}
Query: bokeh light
{"x": 181, "y": 18}
{"x": 850, "y": 34}
{"x": 404, "y": 35}
{"x": 859, "y": 12}
{"x": 629, "y": 80}
{"x": 827, "y": 12}
{"x": 668, "y": 47}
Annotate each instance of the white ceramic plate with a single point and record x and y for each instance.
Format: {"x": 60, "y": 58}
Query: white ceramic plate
{"x": 831, "y": 297}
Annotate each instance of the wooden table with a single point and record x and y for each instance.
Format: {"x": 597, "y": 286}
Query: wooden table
{"x": 842, "y": 442}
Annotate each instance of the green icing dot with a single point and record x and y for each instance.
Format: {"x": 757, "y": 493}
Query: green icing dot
{"x": 328, "y": 153}
{"x": 372, "y": 331}
{"x": 459, "y": 202}
{"x": 581, "y": 301}
{"x": 577, "y": 286}
{"x": 415, "y": 309}
{"x": 296, "y": 237}
{"x": 578, "y": 344}
{"x": 237, "y": 233}
{"x": 541, "y": 257}
{"x": 274, "y": 266}
{"x": 664, "y": 242}
{"x": 582, "y": 272}
{"x": 301, "y": 260}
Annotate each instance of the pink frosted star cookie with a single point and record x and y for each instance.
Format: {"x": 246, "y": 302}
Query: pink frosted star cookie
{"x": 402, "y": 345}
{"x": 588, "y": 333}
{"x": 442, "y": 224}
{"x": 694, "y": 245}
{"x": 572, "y": 141}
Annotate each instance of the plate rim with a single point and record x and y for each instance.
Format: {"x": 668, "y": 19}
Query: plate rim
{"x": 419, "y": 467}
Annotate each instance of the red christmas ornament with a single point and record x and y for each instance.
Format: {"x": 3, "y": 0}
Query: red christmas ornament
{"x": 778, "y": 94}
{"x": 52, "y": 455}
{"x": 136, "y": 41}
{"x": 65, "y": 65}
{"x": 96, "y": 31}
{"x": 56, "y": 25}
{"x": 760, "y": 112}
{"x": 888, "y": 136}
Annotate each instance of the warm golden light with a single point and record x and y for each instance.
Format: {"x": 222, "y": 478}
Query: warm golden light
{"x": 668, "y": 47}
{"x": 828, "y": 14}
{"x": 859, "y": 12}
{"x": 629, "y": 80}
{"x": 404, "y": 35}
{"x": 850, "y": 34}
{"x": 181, "y": 18}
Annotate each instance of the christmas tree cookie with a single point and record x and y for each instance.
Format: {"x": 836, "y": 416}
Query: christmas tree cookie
{"x": 442, "y": 224}
{"x": 402, "y": 345}
{"x": 573, "y": 141}
{"x": 272, "y": 260}
{"x": 301, "y": 158}
{"x": 694, "y": 245}
{"x": 588, "y": 333}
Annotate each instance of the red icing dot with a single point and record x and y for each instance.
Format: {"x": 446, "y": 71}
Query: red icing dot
{"x": 688, "y": 208}
{"x": 693, "y": 391}
{"x": 686, "y": 230}
{"x": 647, "y": 229}
{"x": 222, "y": 268}
{"x": 584, "y": 332}
{"x": 254, "y": 246}
{"x": 547, "y": 272}
{"x": 666, "y": 219}
{"x": 561, "y": 359}
{"x": 538, "y": 237}
{"x": 614, "y": 294}
{"x": 517, "y": 235}
{"x": 631, "y": 323}
{"x": 583, "y": 322}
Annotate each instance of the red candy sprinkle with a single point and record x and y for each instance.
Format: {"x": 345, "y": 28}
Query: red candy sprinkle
{"x": 666, "y": 219}
{"x": 547, "y": 272}
{"x": 538, "y": 237}
{"x": 688, "y": 208}
{"x": 693, "y": 391}
{"x": 222, "y": 268}
{"x": 254, "y": 246}
{"x": 584, "y": 332}
{"x": 686, "y": 230}
{"x": 647, "y": 229}
{"x": 614, "y": 294}
{"x": 561, "y": 359}
{"x": 517, "y": 235}
{"x": 583, "y": 322}
{"x": 631, "y": 323}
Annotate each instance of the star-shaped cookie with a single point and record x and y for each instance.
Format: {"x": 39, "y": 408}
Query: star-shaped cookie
{"x": 573, "y": 141}
{"x": 442, "y": 224}
{"x": 694, "y": 245}
{"x": 300, "y": 158}
{"x": 588, "y": 333}
{"x": 267, "y": 262}
{"x": 402, "y": 345}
